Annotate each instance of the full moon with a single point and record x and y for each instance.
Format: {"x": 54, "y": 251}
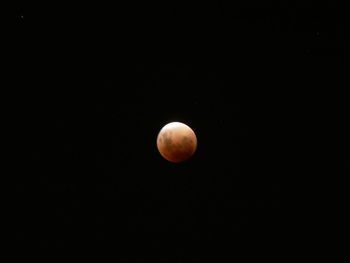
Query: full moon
{"x": 176, "y": 142}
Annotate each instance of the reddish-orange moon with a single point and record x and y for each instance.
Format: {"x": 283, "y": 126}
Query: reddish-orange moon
{"x": 176, "y": 142}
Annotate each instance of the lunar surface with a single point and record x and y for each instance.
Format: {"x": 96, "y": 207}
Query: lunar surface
{"x": 176, "y": 142}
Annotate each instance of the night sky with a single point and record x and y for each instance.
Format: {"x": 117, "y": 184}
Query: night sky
{"x": 103, "y": 80}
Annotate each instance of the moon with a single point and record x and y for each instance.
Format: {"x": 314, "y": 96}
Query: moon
{"x": 176, "y": 142}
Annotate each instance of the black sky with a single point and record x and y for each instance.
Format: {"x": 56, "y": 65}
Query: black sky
{"x": 104, "y": 79}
